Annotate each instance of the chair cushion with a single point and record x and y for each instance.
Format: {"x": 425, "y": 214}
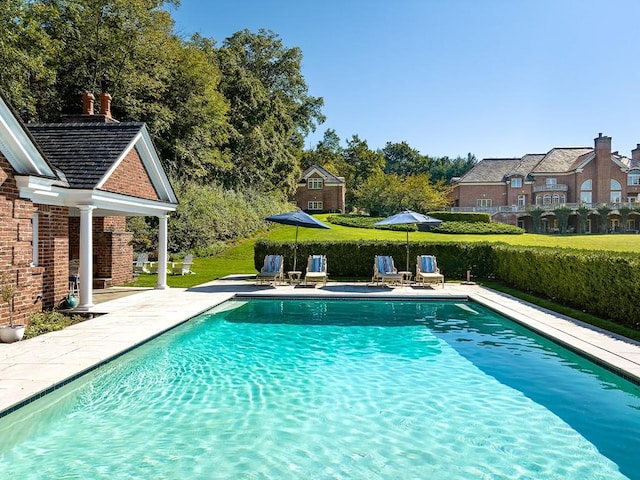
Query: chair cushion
{"x": 316, "y": 263}
{"x": 428, "y": 264}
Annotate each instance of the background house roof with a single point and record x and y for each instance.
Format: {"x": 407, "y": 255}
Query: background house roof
{"x": 490, "y": 170}
{"x": 84, "y": 151}
{"x": 323, "y": 172}
{"x": 526, "y": 164}
{"x": 560, "y": 159}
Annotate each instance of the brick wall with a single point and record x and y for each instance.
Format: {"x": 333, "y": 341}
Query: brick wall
{"x": 131, "y": 178}
{"x": 112, "y": 248}
{"x": 331, "y": 196}
{"x": 53, "y": 253}
{"x": 15, "y": 249}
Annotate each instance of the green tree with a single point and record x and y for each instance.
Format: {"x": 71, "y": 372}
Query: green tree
{"x": 404, "y": 160}
{"x": 562, "y": 214}
{"x": 270, "y": 110}
{"x": 27, "y": 77}
{"x": 603, "y": 219}
{"x": 328, "y": 152}
{"x": 359, "y": 164}
{"x": 583, "y": 216}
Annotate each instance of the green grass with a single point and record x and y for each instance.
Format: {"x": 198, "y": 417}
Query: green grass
{"x": 238, "y": 257}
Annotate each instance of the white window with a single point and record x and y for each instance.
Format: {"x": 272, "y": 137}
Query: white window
{"x": 556, "y": 199}
{"x": 633, "y": 178}
{"x": 484, "y": 202}
{"x": 516, "y": 182}
{"x": 551, "y": 181}
{"x": 632, "y": 199}
{"x": 585, "y": 191}
{"x": 616, "y": 191}
{"x": 34, "y": 240}
{"x": 522, "y": 199}
{"x": 314, "y": 184}
{"x": 314, "y": 205}
{"x": 546, "y": 200}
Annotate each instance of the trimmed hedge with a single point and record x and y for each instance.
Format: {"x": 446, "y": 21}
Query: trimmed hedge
{"x": 364, "y": 221}
{"x": 478, "y": 228}
{"x": 355, "y": 259}
{"x": 471, "y": 217}
{"x": 605, "y": 284}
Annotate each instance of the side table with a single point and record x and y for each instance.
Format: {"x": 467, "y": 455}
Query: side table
{"x": 405, "y": 277}
{"x": 294, "y": 276}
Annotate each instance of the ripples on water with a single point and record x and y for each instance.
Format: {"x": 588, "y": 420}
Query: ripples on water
{"x": 273, "y": 389}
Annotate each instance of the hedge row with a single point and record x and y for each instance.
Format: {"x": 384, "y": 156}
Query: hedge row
{"x": 364, "y": 221}
{"x": 478, "y": 228}
{"x": 471, "y": 217}
{"x": 602, "y": 283}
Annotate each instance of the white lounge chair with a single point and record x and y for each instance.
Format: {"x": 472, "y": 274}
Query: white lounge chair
{"x": 140, "y": 265}
{"x": 316, "y": 269}
{"x": 184, "y": 267}
{"x": 272, "y": 270}
{"x": 384, "y": 270}
{"x": 427, "y": 270}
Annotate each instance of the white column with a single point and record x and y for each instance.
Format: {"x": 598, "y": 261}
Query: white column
{"x": 162, "y": 252}
{"x": 86, "y": 257}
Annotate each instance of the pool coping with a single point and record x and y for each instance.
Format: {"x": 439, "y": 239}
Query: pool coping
{"x": 32, "y": 368}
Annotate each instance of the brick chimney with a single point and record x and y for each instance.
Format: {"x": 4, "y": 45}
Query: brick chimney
{"x": 105, "y": 104}
{"x": 603, "y": 169}
{"x": 635, "y": 153}
{"x": 87, "y": 103}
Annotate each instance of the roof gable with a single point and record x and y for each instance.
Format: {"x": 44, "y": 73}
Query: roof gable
{"x": 89, "y": 153}
{"x": 323, "y": 172}
{"x": 18, "y": 146}
{"x": 560, "y": 160}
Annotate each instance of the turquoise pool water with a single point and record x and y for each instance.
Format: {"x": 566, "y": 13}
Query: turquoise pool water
{"x": 284, "y": 389}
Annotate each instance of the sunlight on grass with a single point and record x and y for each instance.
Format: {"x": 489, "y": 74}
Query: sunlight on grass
{"x": 238, "y": 258}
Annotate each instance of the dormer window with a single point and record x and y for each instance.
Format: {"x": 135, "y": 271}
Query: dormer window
{"x": 516, "y": 182}
{"x": 314, "y": 184}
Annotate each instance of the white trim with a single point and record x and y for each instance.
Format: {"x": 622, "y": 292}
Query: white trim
{"x": 17, "y": 147}
{"x": 38, "y": 190}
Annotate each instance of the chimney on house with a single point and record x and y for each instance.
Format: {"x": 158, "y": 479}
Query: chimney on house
{"x": 635, "y": 153}
{"x": 603, "y": 169}
{"x": 105, "y": 104}
{"x": 87, "y": 103}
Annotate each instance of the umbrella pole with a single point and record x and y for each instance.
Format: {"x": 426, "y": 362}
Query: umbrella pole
{"x": 295, "y": 251}
{"x": 407, "y": 249}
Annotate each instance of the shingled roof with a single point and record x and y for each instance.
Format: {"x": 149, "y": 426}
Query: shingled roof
{"x": 560, "y": 160}
{"x": 328, "y": 176}
{"x": 490, "y": 170}
{"x": 84, "y": 152}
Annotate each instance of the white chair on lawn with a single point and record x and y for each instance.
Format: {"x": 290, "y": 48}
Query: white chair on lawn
{"x": 140, "y": 265}
{"x": 184, "y": 267}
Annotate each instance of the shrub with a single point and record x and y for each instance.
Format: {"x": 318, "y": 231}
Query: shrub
{"x": 364, "y": 221}
{"x": 478, "y": 228}
{"x": 461, "y": 216}
{"x": 45, "y": 322}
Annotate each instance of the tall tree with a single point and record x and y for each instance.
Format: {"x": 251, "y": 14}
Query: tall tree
{"x": 270, "y": 110}
{"x": 404, "y": 160}
{"x": 359, "y": 164}
{"x": 328, "y": 152}
{"x": 27, "y": 77}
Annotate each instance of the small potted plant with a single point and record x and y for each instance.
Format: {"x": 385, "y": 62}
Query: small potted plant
{"x": 12, "y": 332}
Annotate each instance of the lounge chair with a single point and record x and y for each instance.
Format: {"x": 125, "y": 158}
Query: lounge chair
{"x": 184, "y": 267}
{"x": 140, "y": 265}
{"x": 316, "y": 269}
{"x": 384, "y": 270}
{"x": 427, "y": 270}
{"x": 272, "y": 270}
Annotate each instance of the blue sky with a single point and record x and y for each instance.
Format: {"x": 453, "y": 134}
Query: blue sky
{"x": 496, "y": 78}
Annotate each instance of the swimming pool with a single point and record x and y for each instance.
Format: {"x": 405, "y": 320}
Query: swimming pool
{"x": 334, "y": 389}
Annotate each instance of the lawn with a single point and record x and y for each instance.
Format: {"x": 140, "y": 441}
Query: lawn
{"x": 238, "y": 258}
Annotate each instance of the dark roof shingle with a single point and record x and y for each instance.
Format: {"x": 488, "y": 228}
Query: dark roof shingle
{"x": 84, "y": 151}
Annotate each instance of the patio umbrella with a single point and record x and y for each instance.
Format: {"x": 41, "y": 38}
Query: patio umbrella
{"x": 408, "y": 217}
{"x": 299, "y": 219}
